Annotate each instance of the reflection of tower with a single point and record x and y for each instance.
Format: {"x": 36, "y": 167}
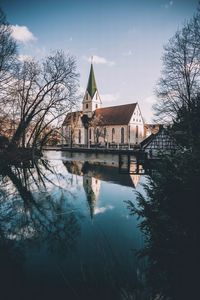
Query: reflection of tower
{"x": 135, "y": 179}
{"x": 91, "y": 186}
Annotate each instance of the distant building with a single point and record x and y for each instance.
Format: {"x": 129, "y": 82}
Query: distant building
{"x": 151, "y": 128}
{"x": 161, "y": 142}
{"x": 122, "y": 124}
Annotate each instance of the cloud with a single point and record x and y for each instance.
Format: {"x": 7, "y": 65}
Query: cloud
{"x": 99, "y": 60}
{"x": 23, "y": 57}
{"x": 22, "y": 34}
{"x": 103, "y": 209}
{"x": 127, "y": 53}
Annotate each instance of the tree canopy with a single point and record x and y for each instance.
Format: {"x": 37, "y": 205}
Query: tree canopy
{"x": 34, "y": 96}
{"x": 180, "y": 79}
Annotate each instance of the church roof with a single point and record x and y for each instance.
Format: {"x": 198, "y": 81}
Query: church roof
{"x": 115, "y": 115}
{"x": 91, "y": 87}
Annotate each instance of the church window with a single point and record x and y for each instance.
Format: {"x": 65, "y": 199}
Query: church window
{"x": 86, "y": 105}
{"x": 136, "y": 132}
{"x": 86, "y": 96}
{"x": 122, "y": 135}
{"x": 96, "y": 96}
{"x": 97, "y": 135}
{"x": 79, "y": 136}
{"x": 105, "y": 134}
{"x": 113, "y": 135}
{"x": 90, "y": 133}
{"x": 96, "y": 105}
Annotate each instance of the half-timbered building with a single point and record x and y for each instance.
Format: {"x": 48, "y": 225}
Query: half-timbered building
{"x": 159, "y": 143}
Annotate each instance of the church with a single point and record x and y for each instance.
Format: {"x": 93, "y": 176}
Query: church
{"x": 114, "y": 126}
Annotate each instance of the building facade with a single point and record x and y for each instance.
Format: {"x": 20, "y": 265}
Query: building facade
{"x": 162, "y": 142}
{"x": 109, "y": 126}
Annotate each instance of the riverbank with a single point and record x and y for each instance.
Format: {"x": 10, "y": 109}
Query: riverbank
{"x": 18, "y": 156}
{"x": 119, "y": 150}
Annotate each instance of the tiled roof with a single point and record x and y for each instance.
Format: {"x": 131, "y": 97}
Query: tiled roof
{"x": 160, "y": 140}
{"x": 146, "y": 141}
{"x": 115, "y": 115}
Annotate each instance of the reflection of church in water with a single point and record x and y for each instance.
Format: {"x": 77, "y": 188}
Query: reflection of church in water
{"x": 93, "y": 174}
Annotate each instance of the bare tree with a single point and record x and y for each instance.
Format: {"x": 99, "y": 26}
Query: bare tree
{"x": 74, "y": 132}
{"x": 8, "y": 51}
{"x": 180, "y": 79}
{"x": 97, "y": 124}
{"x": 42, "y": 95}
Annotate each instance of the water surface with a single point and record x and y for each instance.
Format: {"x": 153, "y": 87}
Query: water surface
{"x": 66, "y": 232}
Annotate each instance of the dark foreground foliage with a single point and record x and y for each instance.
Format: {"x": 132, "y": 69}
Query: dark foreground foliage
{"x": 170, "y": 222}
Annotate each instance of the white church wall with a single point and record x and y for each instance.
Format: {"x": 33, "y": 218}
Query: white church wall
{"x": 136, "y": 126}
{"x": 116, "y": 137}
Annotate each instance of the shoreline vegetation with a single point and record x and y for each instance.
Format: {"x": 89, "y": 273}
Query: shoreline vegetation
{"x": 18, "y": 156}
{"x": 169, "y": 212}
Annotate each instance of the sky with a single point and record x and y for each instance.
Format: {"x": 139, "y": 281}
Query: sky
{"x": 125, "y": 38}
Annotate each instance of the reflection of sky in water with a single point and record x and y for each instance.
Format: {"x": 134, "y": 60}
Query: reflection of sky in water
{"x": 87, "y": 234}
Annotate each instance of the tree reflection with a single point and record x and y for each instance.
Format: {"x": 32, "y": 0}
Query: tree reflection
{"x": 170, "y": 217}
{"x": 35, "y": 209}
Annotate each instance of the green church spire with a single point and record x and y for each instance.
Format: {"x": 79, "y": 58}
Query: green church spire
{"x": 91, "y": 87}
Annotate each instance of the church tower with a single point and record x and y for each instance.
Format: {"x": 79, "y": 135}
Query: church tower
{"x": 91, "y": 100}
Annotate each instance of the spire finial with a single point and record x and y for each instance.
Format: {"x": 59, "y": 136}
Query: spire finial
{"x": 92, "y": 59}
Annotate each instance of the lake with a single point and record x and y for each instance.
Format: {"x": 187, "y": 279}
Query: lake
{"x": 66, "y": 231}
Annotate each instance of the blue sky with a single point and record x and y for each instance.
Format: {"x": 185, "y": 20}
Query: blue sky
{"x": 125, "y": 37}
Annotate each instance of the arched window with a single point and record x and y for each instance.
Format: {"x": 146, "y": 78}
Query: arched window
{"x": 122, "y": 135}
{"x": 104, "y": 134}
{"x": 79, "y": 136}
{"x": 113, "y": 135}
{"x": 97, "y": 135}
{"x": 86, "y": 106}
{"x": 136, "y": 132}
